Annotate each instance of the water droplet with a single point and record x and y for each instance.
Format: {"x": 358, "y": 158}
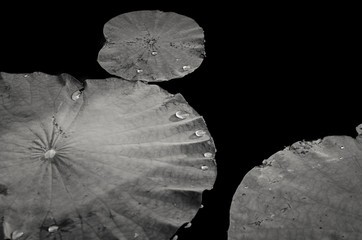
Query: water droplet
{"x": 202, "y": 206}
{"x": 341, "y": 147}
{"x": 139, "y": 70}
{"x": 340, "y": 158}
{"x": 208, "y": 155}
{"x": 204, "y": 168}
{"x": 188, "y": 225}
{"x": 200, "y": 133}
{"x": 185, "y": 68}
{"x": 76, "y": 95}
{"x": 26, "y": 75}
{"x": 16, "y": 234}
{"x": 53, "y": 228}
{"x": 175, "y": 237}
{"x": 50, "y": 153}
{"x": 154, "y": 53}
{"x": 182, "y": 114}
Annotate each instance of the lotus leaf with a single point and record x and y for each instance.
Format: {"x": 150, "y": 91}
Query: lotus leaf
{"x": 110, "y": 159}
{"x": 151, "y": 46}
{"x": 310, "y": 190}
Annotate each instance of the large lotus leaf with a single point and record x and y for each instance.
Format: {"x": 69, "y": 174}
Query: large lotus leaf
{"x": 152, "y": 46}
{"x": 310, "y": 190}
{"x": 121, "y": 160}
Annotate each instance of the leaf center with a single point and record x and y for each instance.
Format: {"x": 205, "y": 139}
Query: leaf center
{"x": 49, "y": 154}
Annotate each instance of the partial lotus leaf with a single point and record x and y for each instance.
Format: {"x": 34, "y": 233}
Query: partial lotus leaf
{"x": 310, "y": 190}
{"x": 117, "y": 160}
{"x": 152, "y": 46}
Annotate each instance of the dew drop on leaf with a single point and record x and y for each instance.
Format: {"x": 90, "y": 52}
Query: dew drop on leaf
{"x": 188, "y": 225}
{"x": 204, "y": 168}
{"x": 182, "y": 114}
{"x": 185, "y": 68}
{"x": 76, "y": 95}
{"x": 16, "y": 235}
{"x": 200, "y": 133}
{"x": 53, "y": 228}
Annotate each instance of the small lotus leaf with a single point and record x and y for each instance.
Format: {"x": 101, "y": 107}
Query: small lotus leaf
{"x": 151, "y": 46}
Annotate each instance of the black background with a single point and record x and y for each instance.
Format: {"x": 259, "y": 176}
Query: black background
{"x": 273, "y": 75}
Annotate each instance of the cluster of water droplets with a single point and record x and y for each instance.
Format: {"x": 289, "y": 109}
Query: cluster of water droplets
{"x": 341, "y": 147}
{"x": 181, "y": 114}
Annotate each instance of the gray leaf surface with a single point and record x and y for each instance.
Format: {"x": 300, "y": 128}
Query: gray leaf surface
{"x": 151, "y": 46}
{"x": 121, "y": 160}
{"x": 310, "y": 190}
